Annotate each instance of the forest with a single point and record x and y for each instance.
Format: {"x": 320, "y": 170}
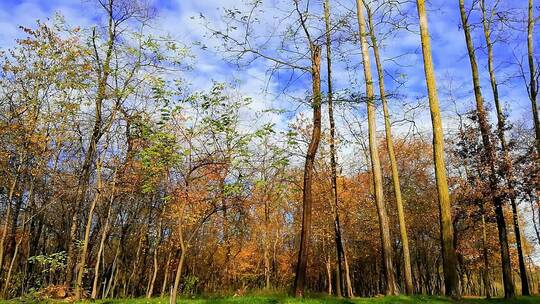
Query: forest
{"x": 269, "y": 151}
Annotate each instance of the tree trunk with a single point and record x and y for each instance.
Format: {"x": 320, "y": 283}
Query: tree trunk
{"x": 333, "y": 160}
{"x": 392, "y": 157}
{"x": 12, "y": 263}
{"x": 305, "y": 235}
{"x": 451, "y": 279}
{"x": 509, "y": 291}
{"x": 6, "y": 220}
{"x": 166, "y": 276}
{"x": 150, "y": 290}
{"x": 533, "y": 86}
{"x": 84, "y": 249}
{"x": 102, "y": 241}
{"x": 388, "y": 266}
{"x": 178, "y": 275}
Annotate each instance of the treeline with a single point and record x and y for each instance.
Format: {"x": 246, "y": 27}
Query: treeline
{"x": 119, "y": 180}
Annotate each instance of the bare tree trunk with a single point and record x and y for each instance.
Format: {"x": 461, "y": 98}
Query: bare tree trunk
{"x": 82, "y": 262}
{"x": 333, "y": 160}
{"x": 350, "y": 293}
{"x": 155, "y": 260}
{"x": 485, "y": 253}
{"x": 392, "y": 157}
{"x": 388, "y": 266}
{"x": 178, "y": 275}
{"x": 114, "y": 271}
{"x": 166, "y": 277}
{"x": 451, "y": 279}
{"x": 490, "y": 157}
{"x": 533, "y": 86}
{"x": 305, "y": 235}
{"x": 102, "y": 241}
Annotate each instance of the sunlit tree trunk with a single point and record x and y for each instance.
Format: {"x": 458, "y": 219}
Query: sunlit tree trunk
{"x": 183, "y": 247}
{"x": 166, "y": 276}
{"x": 451, "y": 279}
{"x": 509, "y": 291}
{"x": 392, "y": 157}
{"x": 307, "y": 200}
{"x": 388, "y": 266}
{"x": 533, "y": 86}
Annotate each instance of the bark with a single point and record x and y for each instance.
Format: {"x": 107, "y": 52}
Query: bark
{"x": 509, "y": 291}
{"x": 166, "y": 276}
{"x": 102, "y": 241}
{"x": 84, "y": 249}
{"x": 388, "y": 267}
{"x": 333, "y": 161}
{"x": 451, "y": 279}
{"x": 178, "y": 275}
{"x": 533, "y": 86}
{"x": 307, "y": 200}
{"x": 485, "y": 254}
{"x": 392, "y": 157}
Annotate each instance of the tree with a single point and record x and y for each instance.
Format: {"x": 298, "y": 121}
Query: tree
{"x": 506, "y": 167}
{"x": 490, "y": 159}
{"x": 391, "y": 286}
{"x": 391, "y": 155}
{"x": 451, "y": 280}
{"x": 340, "y": 252}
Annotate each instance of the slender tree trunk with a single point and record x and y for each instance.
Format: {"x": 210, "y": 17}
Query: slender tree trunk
{"x": 102, "y": 241}
{"x": 388, "y": 266}
{"x": 8, "y": 214}
{"x": 333, "y": 160}
{"x": 485, "y": 254}
{"x": 113, "y": 273}
{"x": 451, "y": 279}
{"x": 12, "y": 263}
{"x": 155, "y": 260}
{"x": 392, "y": 157}
{"x": 490, "y": 157}
{"x": 350, "y": 293}
{"x": 533, "y": 86}
{"x": 166, "y": 276}
{"x": 178, "y": 275}
{"x": 305, "y": 235}
{"x": 84, "y": 249}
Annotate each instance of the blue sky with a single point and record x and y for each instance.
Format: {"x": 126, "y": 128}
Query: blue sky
{"x": 176, "y": 18}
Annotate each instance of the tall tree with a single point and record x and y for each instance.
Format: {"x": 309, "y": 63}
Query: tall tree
{"x": 489, "y": 151}
{"x": 507, "y": 166}
{"x": 340, "y": 253}
{"x": 391, "y": 285}
{"x": 451, "y": 279}
{"x": 391, "y": 155}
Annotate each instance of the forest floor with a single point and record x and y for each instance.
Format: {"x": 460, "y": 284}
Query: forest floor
{"x": 290, "y": 300}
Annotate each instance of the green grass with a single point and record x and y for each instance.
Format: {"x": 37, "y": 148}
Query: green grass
{"x": 282, "y": 299}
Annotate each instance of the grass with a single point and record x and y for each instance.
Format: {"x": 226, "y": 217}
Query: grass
{"x": 282, "y": 299}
